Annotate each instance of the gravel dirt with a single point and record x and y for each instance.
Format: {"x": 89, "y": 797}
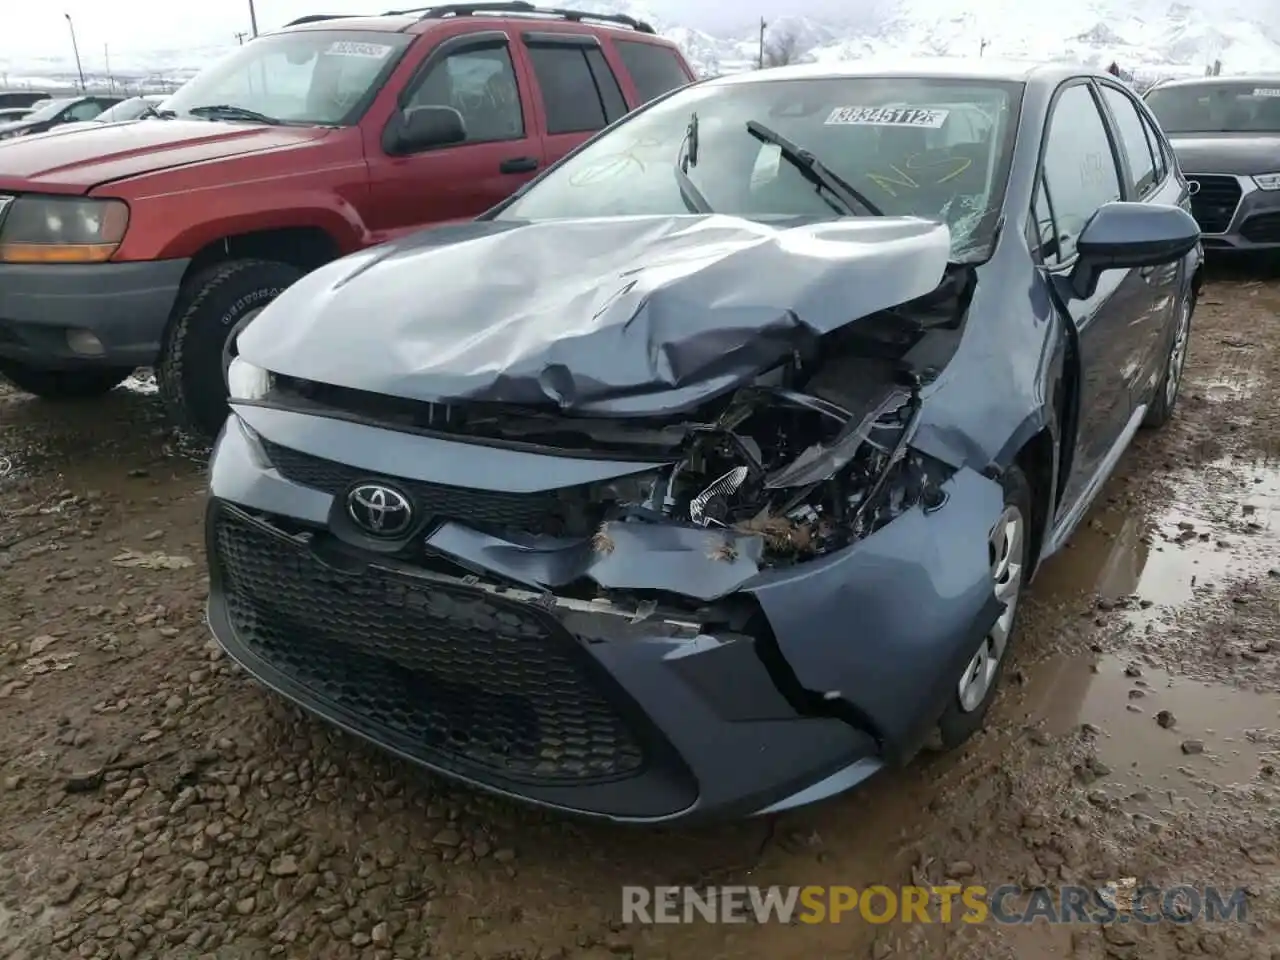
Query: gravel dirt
{"x": 157, "y": 803}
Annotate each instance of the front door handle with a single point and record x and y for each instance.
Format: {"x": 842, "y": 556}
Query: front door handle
{"x": 518, "y": 165}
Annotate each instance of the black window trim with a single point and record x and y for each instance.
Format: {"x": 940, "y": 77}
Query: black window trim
{"x": 1065, "y": 266}
{"x": 460, "y": 43}
{"x": 1119, "y": 139}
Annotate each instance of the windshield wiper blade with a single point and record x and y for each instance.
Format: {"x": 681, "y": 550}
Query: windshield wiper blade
{"x": 813, "y": 169}
{"x": 227, "y": 111}
{"x": 686, "y": 157}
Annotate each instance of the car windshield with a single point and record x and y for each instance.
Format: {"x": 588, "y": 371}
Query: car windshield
{"x": 1218, "y": 107}
{"x": 932, "y": 148}
{"x": 308, "y": 77}
{"x": 130, "y": 109}
{"x": 48, "y": 109}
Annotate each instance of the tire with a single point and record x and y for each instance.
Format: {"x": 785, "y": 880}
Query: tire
{"x": 64, "y": 384}
{"x": 217, "y": 302}
{"x": 1166, "y": 397}
{"x": 965, "y": 715}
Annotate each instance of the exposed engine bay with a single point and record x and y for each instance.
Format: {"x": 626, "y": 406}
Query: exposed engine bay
{"x": 812, "y": 455}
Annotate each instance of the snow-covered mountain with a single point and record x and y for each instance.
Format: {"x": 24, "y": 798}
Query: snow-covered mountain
{"x": 1146, "y": 37}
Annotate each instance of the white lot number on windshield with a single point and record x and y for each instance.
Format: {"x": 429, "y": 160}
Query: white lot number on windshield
{"x": 887, "y": 117}
{"x": 365, "y": 51}
{"x": 1267, "y": 92}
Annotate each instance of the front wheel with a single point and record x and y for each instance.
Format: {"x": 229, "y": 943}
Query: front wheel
{"x": 1161, "y": 410}
{"x": 1009, "y": 552}
{"x": 219, "y": 303}
{"x": 64, "y": 384}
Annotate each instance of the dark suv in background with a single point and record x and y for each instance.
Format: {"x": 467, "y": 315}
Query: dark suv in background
{"x": 153, "y": 242}
{"x": 1226, "y": 134}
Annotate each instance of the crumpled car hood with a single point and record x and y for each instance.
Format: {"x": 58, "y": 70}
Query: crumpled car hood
{"x": 620, "y": 316}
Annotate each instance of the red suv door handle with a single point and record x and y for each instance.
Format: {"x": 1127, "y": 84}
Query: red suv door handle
{"x": 518, "y": 165}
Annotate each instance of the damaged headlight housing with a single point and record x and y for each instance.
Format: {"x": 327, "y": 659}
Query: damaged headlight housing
{"x": 805, "y": 475}
{"x": 246, "y": 381}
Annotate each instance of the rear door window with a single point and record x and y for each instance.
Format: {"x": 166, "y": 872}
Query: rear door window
{"x": 655, "y": 69}
{"x": 1142, "y": 162}
{"x": 1157, "y": 146}
{"x": 571, "y": 94}
{"x": 615, "y": 105}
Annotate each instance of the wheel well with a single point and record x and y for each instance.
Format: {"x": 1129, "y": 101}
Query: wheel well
{"x": 302, "y": 247}
{"x": 1197, "y": 281}
{"x": 1035, "y": 460}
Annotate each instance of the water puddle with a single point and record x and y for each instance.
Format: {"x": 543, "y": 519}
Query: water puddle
{"x": 1165, "y": 744}
{"x": 1222, "y": 524}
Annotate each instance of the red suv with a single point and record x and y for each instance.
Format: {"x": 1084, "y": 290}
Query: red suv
{"x": 152, "y": 243}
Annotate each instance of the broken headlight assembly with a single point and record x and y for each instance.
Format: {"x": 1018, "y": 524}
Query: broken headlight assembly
{"x": 803, "y": 473}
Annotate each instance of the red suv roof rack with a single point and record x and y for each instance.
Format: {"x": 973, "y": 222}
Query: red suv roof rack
{"x": 521, "y": 6}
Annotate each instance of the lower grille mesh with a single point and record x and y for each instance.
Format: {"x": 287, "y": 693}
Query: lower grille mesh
{"x": 458, "y": 677}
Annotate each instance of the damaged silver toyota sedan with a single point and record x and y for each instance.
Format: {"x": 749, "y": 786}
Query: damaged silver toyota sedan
{"x": 703, "y": 477}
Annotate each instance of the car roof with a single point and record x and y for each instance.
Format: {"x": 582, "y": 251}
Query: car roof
{"x": 415, "y": 22}
{"x": 933, "y": 68}
{"x": 1272, "y": 80}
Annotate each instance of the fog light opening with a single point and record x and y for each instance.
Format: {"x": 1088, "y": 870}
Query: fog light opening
{"x": 85, "y": 343}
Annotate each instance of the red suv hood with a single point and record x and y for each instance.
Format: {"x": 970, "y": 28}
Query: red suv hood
{"x": 76, "y": 161}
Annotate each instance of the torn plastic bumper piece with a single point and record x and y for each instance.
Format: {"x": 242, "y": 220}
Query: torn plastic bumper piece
{"x": 585, "y": 708}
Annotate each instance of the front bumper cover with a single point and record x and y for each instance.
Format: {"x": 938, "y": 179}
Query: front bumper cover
{"x": 126, "y": 306}
{"x": 532, "y": 695}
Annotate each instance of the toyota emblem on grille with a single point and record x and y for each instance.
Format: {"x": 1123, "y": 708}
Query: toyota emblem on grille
{"x": 379, "y": 510}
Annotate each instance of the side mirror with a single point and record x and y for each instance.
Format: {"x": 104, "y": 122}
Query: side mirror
{"x": 1127, "y": 235}
{"x": 426, "y": 128}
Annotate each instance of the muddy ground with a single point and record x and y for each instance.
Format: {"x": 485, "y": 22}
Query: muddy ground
{"x": 155, "y": 802}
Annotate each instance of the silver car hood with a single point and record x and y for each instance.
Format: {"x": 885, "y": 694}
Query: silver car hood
{"x": 620, "y": 316}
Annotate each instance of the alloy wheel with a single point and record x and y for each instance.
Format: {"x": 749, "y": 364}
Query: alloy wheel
{"x": 1178, "y": 354}
{"x": 1005, "y": 548}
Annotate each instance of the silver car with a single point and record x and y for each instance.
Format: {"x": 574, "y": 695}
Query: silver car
{"x": 1225, "y": 132}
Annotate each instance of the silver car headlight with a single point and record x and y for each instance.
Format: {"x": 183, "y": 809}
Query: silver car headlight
{"x": 246, "y": 381}
{"x": 1267, "y": 181}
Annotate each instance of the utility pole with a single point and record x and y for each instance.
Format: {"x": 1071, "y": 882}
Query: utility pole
{"x": 106, "y": 55}
{"x": 762, "y": 26}
{"x": 253, "y": 18}
{"x": 75, "y": 49}
{"x": 240, "y": 36}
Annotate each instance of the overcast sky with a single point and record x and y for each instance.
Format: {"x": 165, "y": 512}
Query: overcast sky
{"x": 33, "y": 28}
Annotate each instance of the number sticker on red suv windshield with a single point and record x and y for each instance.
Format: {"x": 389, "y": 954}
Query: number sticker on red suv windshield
{"x": 887, "y": 117}
{"x": 349, "y": 48}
